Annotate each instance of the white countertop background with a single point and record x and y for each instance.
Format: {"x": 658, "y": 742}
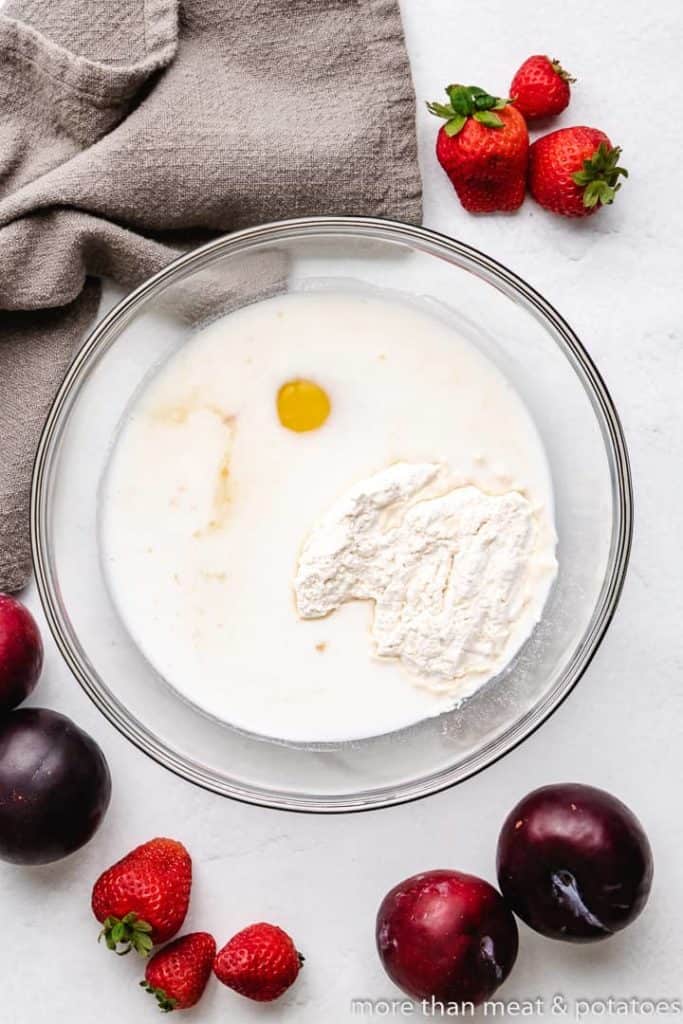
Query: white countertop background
{"x": 616, "y": 278}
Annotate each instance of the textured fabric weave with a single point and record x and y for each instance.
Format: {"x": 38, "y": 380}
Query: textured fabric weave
{"x": 133, "y": 129}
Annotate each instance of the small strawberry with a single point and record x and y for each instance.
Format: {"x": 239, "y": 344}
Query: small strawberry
{"x": 178, "y": 973}
{"x": 574, "y": 171}
{"x": 260, "y": 962}
{"x": 483, "y": 148}
{"x": 142, "y": 900}
{"x": 541, "y": 88}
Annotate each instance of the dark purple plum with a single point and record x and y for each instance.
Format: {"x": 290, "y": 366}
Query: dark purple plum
{"x": 574, "y": 863}
{"x": 448, "y": 935}
{"x": 21, "y": 652}
{"x": 54, "y": 786}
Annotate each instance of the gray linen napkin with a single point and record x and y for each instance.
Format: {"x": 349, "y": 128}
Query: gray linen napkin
{"x": 131, "y": 128}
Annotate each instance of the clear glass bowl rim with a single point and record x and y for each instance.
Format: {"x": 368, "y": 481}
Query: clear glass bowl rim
{"x": 424, "y": 240}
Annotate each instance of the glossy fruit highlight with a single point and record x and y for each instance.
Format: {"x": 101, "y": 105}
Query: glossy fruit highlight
{"x": 54, "y": 786}
{"x": 574, "y": 863}
{"x": 447, "y": 935}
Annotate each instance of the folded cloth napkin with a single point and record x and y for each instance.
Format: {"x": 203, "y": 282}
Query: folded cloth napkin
{"x": 130, "y": 129}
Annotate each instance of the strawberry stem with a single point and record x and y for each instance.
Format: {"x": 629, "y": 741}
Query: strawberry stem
{"x": 599, "y": 176}
{"x": 559, "y": 70}
{"x": 130, "y": 932}
{"x": 468, "y": 101}
{"x": 166, "y": 1003}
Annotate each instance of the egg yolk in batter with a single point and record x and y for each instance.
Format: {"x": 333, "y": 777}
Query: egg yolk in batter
{"x": 302, "y": 405}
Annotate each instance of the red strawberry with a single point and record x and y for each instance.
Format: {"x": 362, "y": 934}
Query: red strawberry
{"x": 260, "y": 962}
{"x": 483, "y": 148}
{"x": 142, "y": 900}
{"x": 540, "y": 88}
{"x": 574, "y": 171}
{"x": 178, "y": 973}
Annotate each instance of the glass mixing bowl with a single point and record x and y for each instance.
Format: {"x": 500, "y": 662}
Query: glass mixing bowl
{"x": 496, "y": 311}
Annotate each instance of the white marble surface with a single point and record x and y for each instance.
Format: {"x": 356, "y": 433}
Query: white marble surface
{"x": 616, "y": 279}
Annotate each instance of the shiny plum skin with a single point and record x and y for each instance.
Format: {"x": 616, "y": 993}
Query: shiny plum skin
{"x": 574, "y": 863}
{"x": 448, "y": 935}
{"x": 54, "y": 786}
{"x": 21, "y": 652}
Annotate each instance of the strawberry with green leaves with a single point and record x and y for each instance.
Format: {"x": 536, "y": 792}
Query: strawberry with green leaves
{"x": 142, "y": 900}
{"x": 177, "y": 975}
{"x": 575, "y": 171}
{"x": 483, "y": 148}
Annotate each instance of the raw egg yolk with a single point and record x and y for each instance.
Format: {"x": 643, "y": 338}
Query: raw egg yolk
{"x": 302, "y": 405}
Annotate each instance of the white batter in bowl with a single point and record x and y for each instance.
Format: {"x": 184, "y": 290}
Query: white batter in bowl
{"x": 213, "y": 514}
